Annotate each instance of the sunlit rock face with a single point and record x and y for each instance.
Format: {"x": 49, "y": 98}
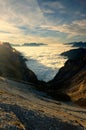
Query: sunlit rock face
{"x": 12, "y": 64}
{"x": 71, "y": 79}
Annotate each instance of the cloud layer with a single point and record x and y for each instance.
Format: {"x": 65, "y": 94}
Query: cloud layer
{"x": 42, "y": 21}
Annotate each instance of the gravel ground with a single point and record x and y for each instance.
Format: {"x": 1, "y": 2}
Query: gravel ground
{"x": 23, "y": 108}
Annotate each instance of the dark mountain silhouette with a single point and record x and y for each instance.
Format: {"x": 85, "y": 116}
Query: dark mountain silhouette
{"x": 34, "y": 44}
{"x": 78, "y": 44}
{"x": 71, "y": 78}
{"x": 74, "y": 53}
{"x": 28, "y": 44}
{"x": 12, "y": 64}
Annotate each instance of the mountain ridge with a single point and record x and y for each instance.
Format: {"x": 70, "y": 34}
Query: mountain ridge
{"x": 24, "y": 107}
{"x": 73, "y": 73}
{"x": 72, "y": 76}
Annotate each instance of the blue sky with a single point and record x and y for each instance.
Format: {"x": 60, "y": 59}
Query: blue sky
{"x": 47, "y": 21}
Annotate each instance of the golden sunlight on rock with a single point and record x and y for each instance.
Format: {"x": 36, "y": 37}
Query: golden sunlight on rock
{"x": 14, "y": 50}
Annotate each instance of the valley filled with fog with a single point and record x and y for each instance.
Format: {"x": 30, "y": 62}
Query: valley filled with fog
{"x": 45, "y": 60}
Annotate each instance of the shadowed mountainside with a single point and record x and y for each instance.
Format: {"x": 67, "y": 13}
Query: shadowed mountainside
{"x": 12, "y": 65}
{"x": 71, "y": 78}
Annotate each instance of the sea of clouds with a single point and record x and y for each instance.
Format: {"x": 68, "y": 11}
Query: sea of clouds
{"x": 44, "y": 61}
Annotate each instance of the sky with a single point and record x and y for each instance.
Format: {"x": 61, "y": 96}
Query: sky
{"x": 44, "y": 21}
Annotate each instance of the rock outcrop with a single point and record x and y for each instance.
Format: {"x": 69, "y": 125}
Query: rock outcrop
{"x": 12, "y": 65}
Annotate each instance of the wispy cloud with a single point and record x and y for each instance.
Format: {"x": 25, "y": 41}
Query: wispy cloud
{"x": 15, "y": 13}
{"x": 47, "y": 11}
{"x": 24, "y": 20}
{"x": 21, "y": 12}
{"x": 77, "y": 27}
{"x": 54, "y": 4}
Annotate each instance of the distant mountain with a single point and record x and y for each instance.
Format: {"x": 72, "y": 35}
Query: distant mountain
{"x": 15, "y": 44}
{"x": 34, "y": 44}
{"x": 78, "y": 44}
{"x": 74, "y": 53}
{"x": 26, "y": 44}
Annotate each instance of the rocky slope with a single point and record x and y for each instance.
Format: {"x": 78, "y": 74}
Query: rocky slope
{"x": 68, "y": 84}
{"x": 23, "y": 108}
{"x": 71, "y": 78}
{"x": 12, "y": 65}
